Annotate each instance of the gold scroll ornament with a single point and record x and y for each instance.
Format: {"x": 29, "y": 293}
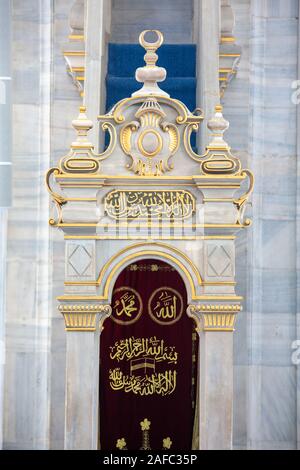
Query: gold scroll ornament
{"x": 150, "y": 140}
{"x": 176, "y": 204}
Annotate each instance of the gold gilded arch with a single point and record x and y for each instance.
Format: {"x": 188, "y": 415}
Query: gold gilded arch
{"x": 174, "y": 257}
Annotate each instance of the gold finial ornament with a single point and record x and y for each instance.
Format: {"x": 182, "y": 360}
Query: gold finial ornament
{"x": 218, "y": 125}
{"x": 150, "y": 74}
{"x": 82, "y": 126}
{"x": 218, "y": 158}
{"x": 145, "y": 427}
{"x": 218, "y": 108}
{"x": 150, "y": 57}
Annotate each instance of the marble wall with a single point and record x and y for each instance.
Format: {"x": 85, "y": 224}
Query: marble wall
{"x": 263, "y": 122}
{"x": 65, "y": 101}
{"x": 173, "y": 17}
{"x": 27, "y": 323}
{"x": 44, "y": 103}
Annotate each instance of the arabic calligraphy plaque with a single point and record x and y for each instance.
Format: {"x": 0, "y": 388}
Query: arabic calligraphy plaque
{"x": 165, "y": 306}
{"x": 172, "y": 204}
{"x": 127, "y": 306}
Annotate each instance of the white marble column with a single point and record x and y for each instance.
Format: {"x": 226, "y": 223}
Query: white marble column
{"x": 215, "y": 325}
{"x": 5, "y": 175}
{"x": 3, "y": 234}
{"x": 82, "y": 385}
{"x": 298, "y": 250}
{"x": 83, "y": 325}
{"x": 206, "y": 36}
{"x": 216, "y": 390}
{"x": 97, "y": 30}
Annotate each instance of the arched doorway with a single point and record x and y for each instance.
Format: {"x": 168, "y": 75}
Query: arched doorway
{"x": 148, "y": 354}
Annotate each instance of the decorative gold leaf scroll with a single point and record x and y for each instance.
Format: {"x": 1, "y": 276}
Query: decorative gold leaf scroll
{"x": 176, "y": 204}
{"x": 150, "y": 141}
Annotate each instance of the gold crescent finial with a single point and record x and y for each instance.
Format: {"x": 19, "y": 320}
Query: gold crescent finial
{"x": 151, "y": 46}
{"x": 150, "y": 74}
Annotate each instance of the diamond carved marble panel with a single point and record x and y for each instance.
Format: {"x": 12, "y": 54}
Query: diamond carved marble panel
{"x": 219, "y": 261}
{"x": 80, "y": 260}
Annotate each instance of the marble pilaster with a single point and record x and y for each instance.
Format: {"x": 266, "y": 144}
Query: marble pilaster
{"x": 97, "y": 25}
{"x": 65, "y": 102}
{"x": 215, "y": 326}
{"x": 5, "y": 177}
{"x": 207, "y": 26}
{"x": 298, "y": 252}
{"x": 3, "y": 249}
{"x": 83, "y": 325}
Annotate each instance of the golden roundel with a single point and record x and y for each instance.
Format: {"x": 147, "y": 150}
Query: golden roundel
{"x": 150, "y": 143}
{"x": 127, "y": 306}
{"x": 165, "y": 306}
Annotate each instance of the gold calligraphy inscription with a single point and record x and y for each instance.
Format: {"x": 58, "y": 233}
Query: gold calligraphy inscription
{"x": 165, "y": 306}
{"x": 161, "y": 383}
{"x": 143, "y": 354}
{"x": 132, "y": 348}
{"x": 175, "y": 204}
{"x": 127, "y": 306}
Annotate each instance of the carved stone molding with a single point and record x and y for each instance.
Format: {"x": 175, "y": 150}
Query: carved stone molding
{"x": 74, "y": 52}
{"x": 218, "y": 317}
{"x": 230, "y": 52}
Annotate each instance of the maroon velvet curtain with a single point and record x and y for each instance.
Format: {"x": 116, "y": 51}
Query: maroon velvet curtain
{"x": 148, "y": 362}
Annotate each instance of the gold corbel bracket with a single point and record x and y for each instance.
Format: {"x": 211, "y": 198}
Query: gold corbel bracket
{"x": 83, "y": 317}
{"x": 218, "y": 317}
{"x": 58, "y": 199}
{"x": 241, "y": 202}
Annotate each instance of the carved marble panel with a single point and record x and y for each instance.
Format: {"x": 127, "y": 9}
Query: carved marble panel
{"x": 80, "y": 259}
{"x": 219, "y": 260}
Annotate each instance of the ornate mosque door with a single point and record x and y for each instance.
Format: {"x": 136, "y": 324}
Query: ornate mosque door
{"x": 150, "y": 229}
{"x": 148, "y": 362}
